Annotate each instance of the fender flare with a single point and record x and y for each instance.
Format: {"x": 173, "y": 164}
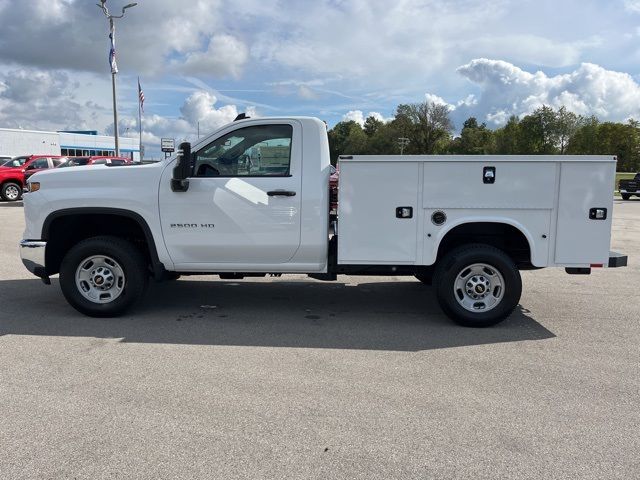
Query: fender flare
{"x": 497, "y": 220}
{"x": 156, "y": 264}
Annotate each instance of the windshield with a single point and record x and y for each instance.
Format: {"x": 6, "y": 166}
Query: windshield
{"x": 15, "y": 162}
{"x": 75, "y": 162}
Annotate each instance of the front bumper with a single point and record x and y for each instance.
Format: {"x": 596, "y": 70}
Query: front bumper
{"x": 32, "y": 253}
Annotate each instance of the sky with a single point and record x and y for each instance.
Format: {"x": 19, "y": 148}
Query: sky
{"x": 204, "y": 61}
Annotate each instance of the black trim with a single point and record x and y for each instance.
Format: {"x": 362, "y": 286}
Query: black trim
{"x": 617, "y": 260}
{"x": 578, "y": 271}
{"x": 243, "y": 176}
{"x": 156, "y": 265}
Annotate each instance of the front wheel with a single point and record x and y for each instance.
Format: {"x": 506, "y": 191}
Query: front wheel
{"x": 477, "y": 285}
{"x": 103, "y": 276}
{"x": 11, "y": 191}
{"x": 625, "y": 196}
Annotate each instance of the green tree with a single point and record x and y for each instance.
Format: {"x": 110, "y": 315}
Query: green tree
{"x": 371, "y": 125}
{"x": 474, "y": 139}
{"x": 584, "y": 140}
{"x": 538, "y": 133}
{"x": 506, "y": 138}
{"x": 427, "y": 125}
{"x": 567, "y": 123}
{"x": 346, "y": 138}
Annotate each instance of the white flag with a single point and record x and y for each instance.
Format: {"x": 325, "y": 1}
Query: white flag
{"x": 112, "y": 50}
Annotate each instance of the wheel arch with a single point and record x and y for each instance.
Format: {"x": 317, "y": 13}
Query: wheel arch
{"x": 504, "y": 233}
{"x": 12, "y": 180}
{"x": 125, "y": 219}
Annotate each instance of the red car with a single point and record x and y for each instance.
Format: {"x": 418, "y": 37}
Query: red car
{"x": 15, "y": 172}
{"x": 333, "y": 191}
{"x": 96, "y": 160}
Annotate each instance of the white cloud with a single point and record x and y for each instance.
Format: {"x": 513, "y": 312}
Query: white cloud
{"x": 589, "y": 89}
{"x": 72, "y": 34}
{"x": 359, "y": 117}
{"x": 528, "y": 48}
{"x": 307, "y": 92}
{"x": 632, "y": 5}
{"x": 400, "y": 41}
{"x": 39, "y": 100}
{"x": 200, "y": 107}
{"x": 225, "y": 55}
{"x": 436, "y": 100}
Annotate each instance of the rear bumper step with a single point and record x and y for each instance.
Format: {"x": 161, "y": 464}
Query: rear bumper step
{"x": 617, "y": 260}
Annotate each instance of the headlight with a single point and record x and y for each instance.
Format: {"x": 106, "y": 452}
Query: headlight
{"x": 34, "y": 186}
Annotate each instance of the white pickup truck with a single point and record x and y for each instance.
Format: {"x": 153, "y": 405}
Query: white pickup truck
{"x": 252, "y": 199}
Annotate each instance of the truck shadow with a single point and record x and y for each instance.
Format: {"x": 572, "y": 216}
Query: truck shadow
{"x": 394, "y": 316}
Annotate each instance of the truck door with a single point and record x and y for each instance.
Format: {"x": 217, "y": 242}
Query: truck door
{"x": 36, "y": 166}
{"x": 243, "y": 204}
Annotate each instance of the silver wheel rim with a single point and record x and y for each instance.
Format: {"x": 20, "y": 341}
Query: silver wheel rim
{"x": 12, "y": 192}
{"x": 100, "y": 279}
{"x": 479, "y": 288}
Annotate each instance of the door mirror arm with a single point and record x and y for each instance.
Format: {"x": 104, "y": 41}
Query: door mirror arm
{"x": 182, "y": 170}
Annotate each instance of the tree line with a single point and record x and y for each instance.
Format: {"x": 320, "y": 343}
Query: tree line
{"x": 426, "y": 128}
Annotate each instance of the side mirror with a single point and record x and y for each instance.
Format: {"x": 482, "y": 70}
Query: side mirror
{"x": 182, "y": 170}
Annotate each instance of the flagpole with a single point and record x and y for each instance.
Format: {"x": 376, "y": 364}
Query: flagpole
{"x": 140, "y": 119}
{"x": 112, "y": 63}
{"x": 113, "y": 85}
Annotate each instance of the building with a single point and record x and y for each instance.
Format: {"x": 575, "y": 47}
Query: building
{"x": 14, "y": 142}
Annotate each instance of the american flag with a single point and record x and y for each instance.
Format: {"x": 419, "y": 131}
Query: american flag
{"x": 112, "y": 50}
{"x": 140, "y": 96}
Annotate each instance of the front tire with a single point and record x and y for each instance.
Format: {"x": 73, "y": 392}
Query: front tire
{"x": 103, "y": 276}
{"x": 477, "y": 285}
{"x": 11, "y": 191}
{"x": 625, "y": 196}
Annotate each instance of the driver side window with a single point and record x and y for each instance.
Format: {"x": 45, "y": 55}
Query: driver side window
{"x": 259, "y": 151}
{"x": 39, "y": 163}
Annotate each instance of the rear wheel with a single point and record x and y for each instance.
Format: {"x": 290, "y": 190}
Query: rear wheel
{"x": 625, "y": 196}
{"x": 477, "y": 285}
{"x": 11, "y": 191}
{"x": 103, "y": 276}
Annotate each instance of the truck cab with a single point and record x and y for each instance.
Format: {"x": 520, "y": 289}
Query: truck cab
{"x": 253, "y": 199}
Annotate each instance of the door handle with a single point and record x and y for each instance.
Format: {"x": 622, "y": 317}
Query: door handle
{"x": 281, "y": 193}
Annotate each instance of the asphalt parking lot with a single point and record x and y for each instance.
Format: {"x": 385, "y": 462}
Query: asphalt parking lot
{"x": 294, "y": 378}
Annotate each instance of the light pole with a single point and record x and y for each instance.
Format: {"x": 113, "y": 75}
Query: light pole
{"x": 403, "y": 142}
{"x": 112, "y": 61}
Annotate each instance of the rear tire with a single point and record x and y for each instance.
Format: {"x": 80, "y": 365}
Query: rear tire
{"x": 11, "y": 191}
{"x": 625, "y": 196}
{"x": 103, "y": 276}
{"x": 477, "y": 285}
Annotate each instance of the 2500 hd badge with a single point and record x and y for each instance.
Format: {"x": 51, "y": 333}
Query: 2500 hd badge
{"x": 192, "y": 225}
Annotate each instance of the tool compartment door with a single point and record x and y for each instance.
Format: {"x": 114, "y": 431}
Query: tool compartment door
{"x": 370, "y": 231}
{"x": 581, "y": 240}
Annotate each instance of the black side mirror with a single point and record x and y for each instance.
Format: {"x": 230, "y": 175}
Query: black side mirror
{"x": 182, "y": 170}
